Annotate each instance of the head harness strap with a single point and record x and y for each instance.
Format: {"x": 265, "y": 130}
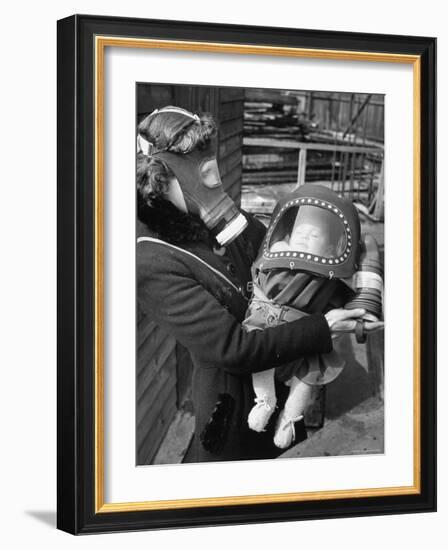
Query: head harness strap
{"x": 175, "y": 110}
{"x": 146, "y": 147}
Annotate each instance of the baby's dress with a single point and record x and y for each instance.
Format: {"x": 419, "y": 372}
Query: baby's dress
{"x": 315, "y": 294}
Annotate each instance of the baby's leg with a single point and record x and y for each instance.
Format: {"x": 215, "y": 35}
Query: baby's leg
{"x": 295, "y": 406}
{"x": 299, "y": 395}
{"x": 265, "y": 401}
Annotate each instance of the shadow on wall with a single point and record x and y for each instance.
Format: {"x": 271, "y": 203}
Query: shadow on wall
{"x": 48, "y": 517}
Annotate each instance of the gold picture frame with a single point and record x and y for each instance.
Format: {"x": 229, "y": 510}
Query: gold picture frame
{"x": 80, "y": 35}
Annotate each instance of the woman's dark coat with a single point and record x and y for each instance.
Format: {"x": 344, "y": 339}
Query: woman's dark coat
{"x": 204, "y": 313}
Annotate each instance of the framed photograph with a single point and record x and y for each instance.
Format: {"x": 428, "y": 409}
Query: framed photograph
{"x": 246, "y": 274}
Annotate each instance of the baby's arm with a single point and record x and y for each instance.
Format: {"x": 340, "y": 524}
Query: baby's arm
{"x": 280, "y": 246}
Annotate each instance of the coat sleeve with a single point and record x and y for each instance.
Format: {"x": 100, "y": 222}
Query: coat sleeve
{"x": 177, "y": 301}
{"x": 257, "y": 230}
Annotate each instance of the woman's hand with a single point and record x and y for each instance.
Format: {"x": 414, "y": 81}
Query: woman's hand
{"x": 344, "y": 320}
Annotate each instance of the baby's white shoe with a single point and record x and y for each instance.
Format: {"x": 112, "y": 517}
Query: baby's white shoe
{"x": 261, "y": 412}
{"x": 285, "y": 433}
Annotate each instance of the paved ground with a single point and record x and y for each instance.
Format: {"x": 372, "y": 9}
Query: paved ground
{"x": 176, "y": 441}
{"x": 358, "y": 431}
{"x": 354, "y": 407}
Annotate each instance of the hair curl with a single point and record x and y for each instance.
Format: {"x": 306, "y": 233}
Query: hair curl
{"x": 152, "y": 178}
{"x": 174, "y": 132}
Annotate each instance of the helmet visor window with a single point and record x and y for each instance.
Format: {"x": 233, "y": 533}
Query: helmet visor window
{"x": 311, "y": 230}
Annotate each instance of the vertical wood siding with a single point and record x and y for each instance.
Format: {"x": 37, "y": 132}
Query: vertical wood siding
{"x": 231, "y": 109}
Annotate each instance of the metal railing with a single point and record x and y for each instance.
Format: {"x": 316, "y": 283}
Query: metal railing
{"x": 357, "y": 171}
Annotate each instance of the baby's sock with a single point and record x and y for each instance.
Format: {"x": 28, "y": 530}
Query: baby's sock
{"x": 295, "y": 406}
{"x": 265, "y": 401}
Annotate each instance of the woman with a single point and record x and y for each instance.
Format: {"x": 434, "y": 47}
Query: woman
{"x": 194, "y": 254}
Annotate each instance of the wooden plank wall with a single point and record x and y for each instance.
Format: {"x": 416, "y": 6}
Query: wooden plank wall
{"x": 164, "y": 368}
{"x": 156, "y": 392}
{"x": 231, "y": 109}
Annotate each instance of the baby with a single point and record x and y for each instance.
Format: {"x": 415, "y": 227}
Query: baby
{"x": 306, "y": 236}
{"x": 310, "y": 246}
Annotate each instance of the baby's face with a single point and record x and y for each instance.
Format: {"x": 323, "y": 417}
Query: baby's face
{"x": 307, "y": 237}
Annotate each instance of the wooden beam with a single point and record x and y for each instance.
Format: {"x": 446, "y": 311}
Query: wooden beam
{"x": 302, "y": 168}
{"x": 290, "y": 144}
{"x": 379, "y": 199}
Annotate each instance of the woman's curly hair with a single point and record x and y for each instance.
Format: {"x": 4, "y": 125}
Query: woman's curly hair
{"x": 173, "y": 131}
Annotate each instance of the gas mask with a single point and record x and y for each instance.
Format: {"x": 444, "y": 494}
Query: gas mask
{"x": 198, "y": 175}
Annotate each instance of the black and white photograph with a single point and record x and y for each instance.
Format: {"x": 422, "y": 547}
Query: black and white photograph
{"x": 220, "y": 275}
{"x": 259, "y": 273}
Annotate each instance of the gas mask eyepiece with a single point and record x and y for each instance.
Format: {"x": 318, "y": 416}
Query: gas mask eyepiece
{"x": 200, "y": 181}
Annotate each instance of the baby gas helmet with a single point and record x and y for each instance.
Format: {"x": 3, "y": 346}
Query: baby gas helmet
{"x": 315, "y": 231}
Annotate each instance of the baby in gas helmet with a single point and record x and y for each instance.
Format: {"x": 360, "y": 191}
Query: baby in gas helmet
{"x": 312, "y": 244}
